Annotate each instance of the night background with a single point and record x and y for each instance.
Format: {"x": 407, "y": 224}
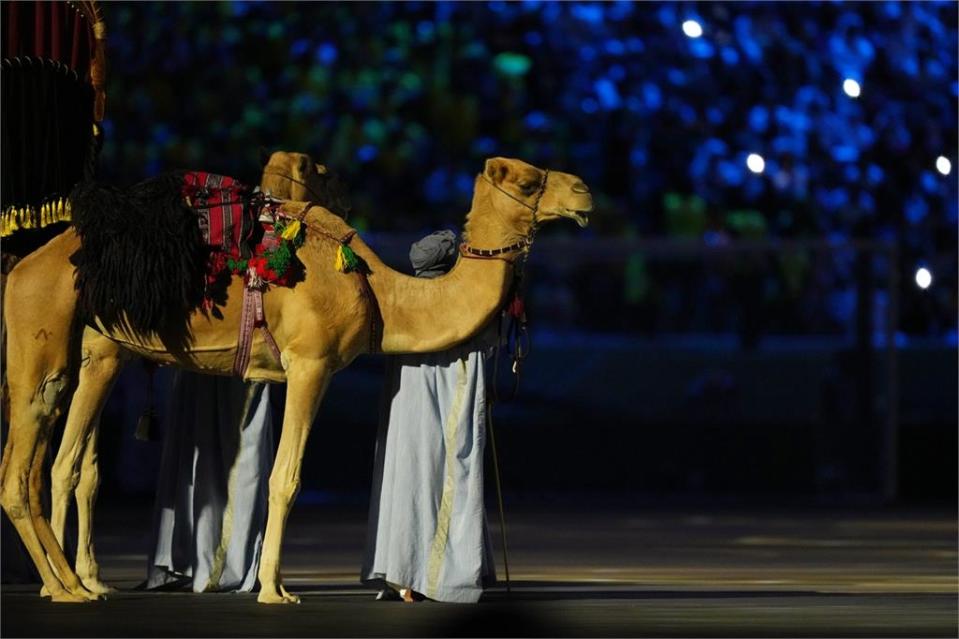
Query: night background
{"x": 747, "y": 313}
{"x": 761, "y": 317}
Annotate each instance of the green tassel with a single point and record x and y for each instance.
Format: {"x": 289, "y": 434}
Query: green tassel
{"x": 346, "y": 260}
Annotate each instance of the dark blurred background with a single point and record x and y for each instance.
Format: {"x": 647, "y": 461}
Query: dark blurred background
{"x": 764, "y": 306}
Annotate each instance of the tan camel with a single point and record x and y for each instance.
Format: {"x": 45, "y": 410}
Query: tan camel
{"x": 320, "y": 326}
{"x": 75, "y": 473}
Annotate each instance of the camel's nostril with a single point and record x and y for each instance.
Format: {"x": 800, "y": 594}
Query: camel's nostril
{"x": 579, "y": 187}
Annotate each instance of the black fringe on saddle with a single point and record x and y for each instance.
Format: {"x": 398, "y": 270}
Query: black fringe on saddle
{"x": 142, "y": 259}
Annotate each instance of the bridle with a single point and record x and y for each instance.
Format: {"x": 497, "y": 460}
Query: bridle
{"x": 515, "y": 337}
{"x": 524, "y": 244}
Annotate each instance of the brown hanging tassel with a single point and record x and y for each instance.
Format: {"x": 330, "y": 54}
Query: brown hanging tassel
{"x": 147, "y": 425}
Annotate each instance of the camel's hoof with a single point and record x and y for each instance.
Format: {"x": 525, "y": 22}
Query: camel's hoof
{"x": 96, "y": 586}
{"x": 89, "y": 596}
{"x": 69, "y": 597}
{"x": 274, "y": 597}
{"x": 44, "y": 592}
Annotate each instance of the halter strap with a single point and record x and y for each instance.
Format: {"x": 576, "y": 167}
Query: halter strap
{"x": 539, "y": 195}
{"x": 523, "y": 245}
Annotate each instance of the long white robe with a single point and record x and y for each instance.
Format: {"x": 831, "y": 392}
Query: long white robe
{"x": 427, "y": 527}
{"x": 211, "y": 506}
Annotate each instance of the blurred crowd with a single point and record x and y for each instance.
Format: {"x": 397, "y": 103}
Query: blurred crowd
{"x": 848, "y": 110}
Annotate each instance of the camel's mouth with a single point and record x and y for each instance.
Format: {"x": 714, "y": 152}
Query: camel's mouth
{"x": 580, "y": 217}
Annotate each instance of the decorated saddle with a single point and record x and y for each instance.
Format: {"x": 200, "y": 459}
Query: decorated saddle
{"x": 152, "y": 254}
{"x": 246, "y": 231}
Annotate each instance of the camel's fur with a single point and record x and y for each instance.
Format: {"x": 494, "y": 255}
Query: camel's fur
{"x": 321, "y": 325}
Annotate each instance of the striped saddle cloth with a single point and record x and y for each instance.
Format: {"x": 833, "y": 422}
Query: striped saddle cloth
{"x": 223, "y": 208}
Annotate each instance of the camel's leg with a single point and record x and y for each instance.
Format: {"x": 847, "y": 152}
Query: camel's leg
{"x": 39, "y": 305}
{"x": 28, "y": 417}
{"x": 306, "y": 384}
{"x": 48, "y": 540}
{"x": 75, "y": 471}
{"x": 88, "y": 570}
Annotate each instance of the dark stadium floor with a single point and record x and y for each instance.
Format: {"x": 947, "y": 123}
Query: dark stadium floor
{"x": 575, "y": 573}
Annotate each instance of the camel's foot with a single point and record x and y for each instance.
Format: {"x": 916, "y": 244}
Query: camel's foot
{"x": 94, "y": 585}
{"x": 277, "y": 596}
{"x": 65, "y": 596}
{"x": 80, "y": 591}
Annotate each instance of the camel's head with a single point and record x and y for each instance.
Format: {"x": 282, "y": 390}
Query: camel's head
{"x": 553, "y": 195}
{"x": 295, "y": 176}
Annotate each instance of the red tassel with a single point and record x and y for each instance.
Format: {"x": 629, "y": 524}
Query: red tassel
{"x": 517, "y": 308}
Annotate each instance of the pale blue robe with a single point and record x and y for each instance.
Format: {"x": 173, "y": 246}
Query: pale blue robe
{"x": 427, "y": 526}
{"x": 210, "y": 513}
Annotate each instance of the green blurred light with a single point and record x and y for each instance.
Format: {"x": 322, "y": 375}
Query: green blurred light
{"x": 512, "y": 64}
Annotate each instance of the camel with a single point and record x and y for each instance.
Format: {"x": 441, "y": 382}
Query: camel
{"x": 75, "y": 473}
{"x": 319, "y": 326}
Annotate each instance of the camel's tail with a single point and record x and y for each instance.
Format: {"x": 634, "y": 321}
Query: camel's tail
{"x": 142, "y": 257}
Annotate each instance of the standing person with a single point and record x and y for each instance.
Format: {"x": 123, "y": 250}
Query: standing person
{"x": 427, "y": 534}
{"x": 212, "y": 496}
{"x": 211, "y": 503}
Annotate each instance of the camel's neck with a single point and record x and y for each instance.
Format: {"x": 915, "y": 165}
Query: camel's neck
{"x": 425, "y": 315}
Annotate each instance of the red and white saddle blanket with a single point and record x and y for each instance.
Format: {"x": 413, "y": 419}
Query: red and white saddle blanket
{"x": 223, "y": 212}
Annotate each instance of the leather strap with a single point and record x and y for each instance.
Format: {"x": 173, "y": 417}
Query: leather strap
{"x": 252, "y": 317}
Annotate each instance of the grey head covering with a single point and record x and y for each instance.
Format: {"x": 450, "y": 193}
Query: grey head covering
{"x": 434, "y": 255}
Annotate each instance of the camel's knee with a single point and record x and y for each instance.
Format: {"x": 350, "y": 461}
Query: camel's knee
{"x": 53, "y": 390}
{"x": 283, "y": 492}
{"x": 88, "y": 482}
{"x": 13, "y": 497}
{"x": 64, "y": 477}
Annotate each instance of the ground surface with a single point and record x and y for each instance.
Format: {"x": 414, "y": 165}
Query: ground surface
{"x": 578, "y": 572}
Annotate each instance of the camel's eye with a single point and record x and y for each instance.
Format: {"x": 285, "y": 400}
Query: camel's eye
{"x": 528, "y": 187}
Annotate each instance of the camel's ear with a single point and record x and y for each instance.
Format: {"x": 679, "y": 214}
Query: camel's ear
{"x": 496, "y": 170}
{"x": 320, "y": 169}
{"x": 264, "y": 156}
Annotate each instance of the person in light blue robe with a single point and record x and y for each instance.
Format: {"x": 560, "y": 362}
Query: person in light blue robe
{"x": 210, "y": 512}
{"x": 427, "y": 533}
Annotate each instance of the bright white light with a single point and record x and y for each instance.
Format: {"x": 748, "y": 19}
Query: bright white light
{"x": 943, "y": 165}
{"x": 756, "y": 163}
{"x": 692, "y": 29}
{"x": 923, "y": 278}
{"x": 851, "y": 87}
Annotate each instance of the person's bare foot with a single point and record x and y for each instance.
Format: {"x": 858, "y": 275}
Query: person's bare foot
{"x": 407, "y": 595}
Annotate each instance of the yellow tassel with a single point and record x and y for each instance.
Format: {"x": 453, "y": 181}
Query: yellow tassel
{"x": 291, "y": 231}
{"x": 346, "y": 260}
{"x": 44, "y": 215}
